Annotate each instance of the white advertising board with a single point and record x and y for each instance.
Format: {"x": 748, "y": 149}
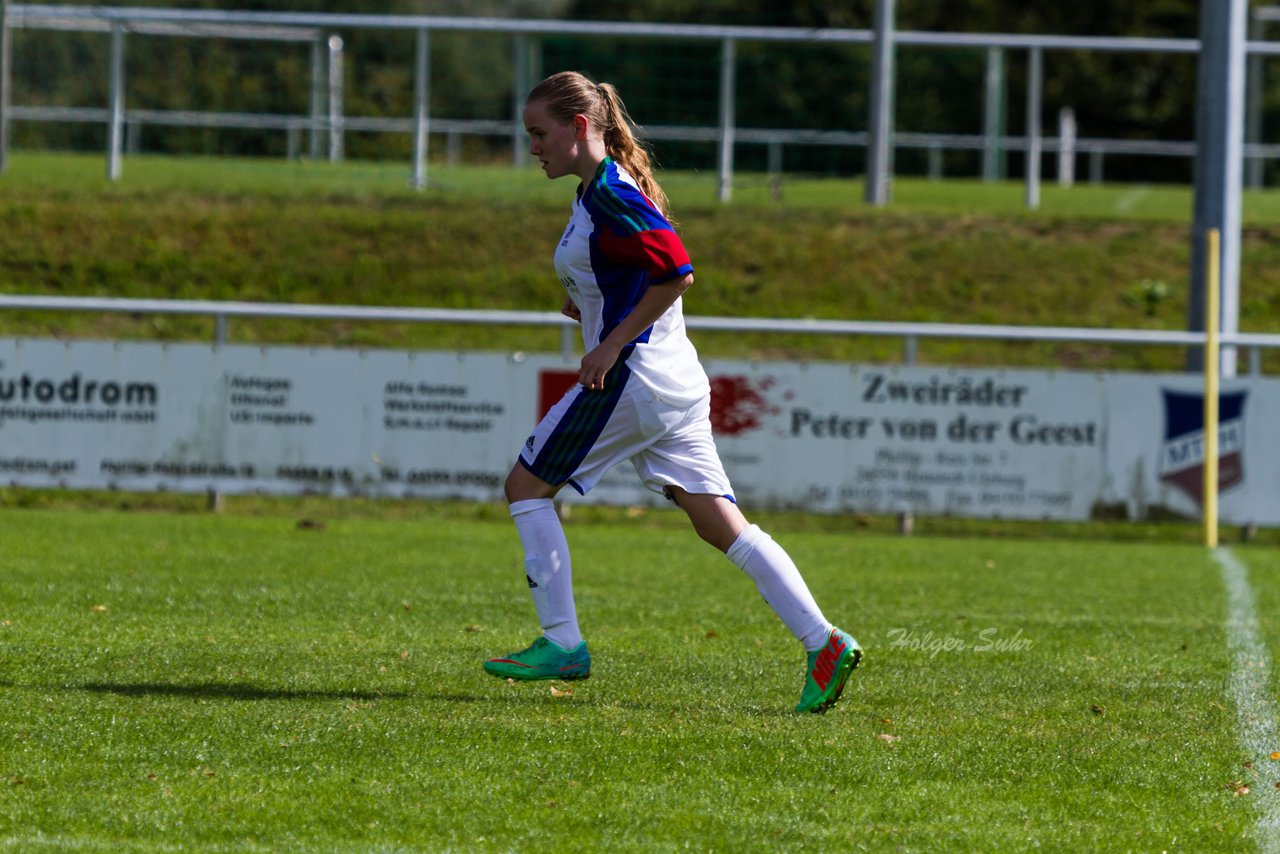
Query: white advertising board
{"x": 824, "y": 437}
{"x": 241, "y": 419}
{"x": 994, "y": 443}
{"x": 883, "y": 439}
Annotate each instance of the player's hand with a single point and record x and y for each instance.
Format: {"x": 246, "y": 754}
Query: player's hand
{"x": 596, "y": 364}
{"x": 570, "y": 310}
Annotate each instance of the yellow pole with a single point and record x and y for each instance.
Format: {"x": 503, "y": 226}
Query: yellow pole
{"x": 1211, "y": 365}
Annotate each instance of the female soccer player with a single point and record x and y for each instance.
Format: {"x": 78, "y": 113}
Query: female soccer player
{"x": 643, "y": 397}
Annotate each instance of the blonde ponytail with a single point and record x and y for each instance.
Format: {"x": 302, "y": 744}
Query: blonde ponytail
{"x": 621, "y": 143}
{"x": 569, "y": 93}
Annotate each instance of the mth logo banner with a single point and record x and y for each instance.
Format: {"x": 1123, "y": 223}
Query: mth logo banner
{"x": 1182, "y": 453}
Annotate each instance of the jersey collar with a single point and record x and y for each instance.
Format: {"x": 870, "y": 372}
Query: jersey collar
{"x": 584, "y": 192}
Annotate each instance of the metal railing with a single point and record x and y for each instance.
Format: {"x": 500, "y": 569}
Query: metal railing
{"x": 318, "y": 29}
{"x": 910, "y": 332}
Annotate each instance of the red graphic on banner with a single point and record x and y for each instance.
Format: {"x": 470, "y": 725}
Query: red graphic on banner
{"x": 738, "y": 404}
{"x": 551, "y": 387}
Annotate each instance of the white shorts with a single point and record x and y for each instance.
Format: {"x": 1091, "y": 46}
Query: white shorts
{"x": 589, "y": 432}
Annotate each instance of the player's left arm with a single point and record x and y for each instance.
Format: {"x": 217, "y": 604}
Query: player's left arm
{"x": 655, "y": 302}
{"x": 633, "y": 232}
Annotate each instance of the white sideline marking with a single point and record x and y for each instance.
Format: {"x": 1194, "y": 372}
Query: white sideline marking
{"x": 1250, "y": 681}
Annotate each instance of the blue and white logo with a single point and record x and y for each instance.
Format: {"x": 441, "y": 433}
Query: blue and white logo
{"x": 1182, "y": 453}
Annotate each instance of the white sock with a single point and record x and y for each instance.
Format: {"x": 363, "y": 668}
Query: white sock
{"x": 547, "y": 565}
{"x": 779, "y": 582}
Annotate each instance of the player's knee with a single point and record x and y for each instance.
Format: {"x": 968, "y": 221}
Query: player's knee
{"x": 713, "y": 531}
{"x": 522, "y": 485}
{"x": 714, "y": 535}
{"x": 512, "y": 488}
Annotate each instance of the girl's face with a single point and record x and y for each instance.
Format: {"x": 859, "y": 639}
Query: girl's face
{"x": 559, "y": 147}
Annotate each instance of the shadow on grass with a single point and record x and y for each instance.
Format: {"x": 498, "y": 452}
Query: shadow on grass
{"x": 230, "y": 691}
{"x": 244, "y": 692}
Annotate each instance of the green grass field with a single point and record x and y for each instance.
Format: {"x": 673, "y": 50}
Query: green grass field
{"x": 176, "y": 680}
{"x": 239, "y": 682}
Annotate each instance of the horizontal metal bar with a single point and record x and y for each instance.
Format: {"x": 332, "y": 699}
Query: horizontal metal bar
{"x": 551, "y": 318}
{"x": 242, "y": 32}
{"x": 502, "y": 127}
{"x": 436, "y": 22}
{"x": 19, "y": 11}
{"x": 1264, "y": 48}
{"x": 283, "y": 310}
{"x": 219, "y": 119}
{"x": 290, "y": 26}
{"x": 951, "y": 330}
{"x": 1124, "y": 44}
{"x": 169, "y": 118}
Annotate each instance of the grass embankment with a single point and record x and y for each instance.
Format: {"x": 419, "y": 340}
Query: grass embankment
{"x": 482, "y": 238}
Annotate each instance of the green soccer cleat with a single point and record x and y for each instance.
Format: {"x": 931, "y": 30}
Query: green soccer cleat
{"x": 829, "y": 669}
{"x": 543, "y": 660}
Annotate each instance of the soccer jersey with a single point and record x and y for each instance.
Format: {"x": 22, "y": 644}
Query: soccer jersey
{"x": 616, "y": 245}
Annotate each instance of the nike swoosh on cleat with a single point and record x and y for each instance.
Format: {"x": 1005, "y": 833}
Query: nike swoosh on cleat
{"x": 824, "y": 667}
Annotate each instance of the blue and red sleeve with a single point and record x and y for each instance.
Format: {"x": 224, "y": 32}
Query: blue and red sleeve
{"x": 632, "y": 231}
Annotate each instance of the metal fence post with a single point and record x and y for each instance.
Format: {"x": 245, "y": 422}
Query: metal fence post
{"x": 317, "y": 96}
{"x": 337, "y": 122}
{"x": 520, "y": 90}
{"x": 1066, "y": 147}
{"x": 6, "y": 49}
{"x": 568, "y": 340}
{"x": 993, "y": 116}
{"x": 115, "y": 130}
{"x": 910, "y": 348}
{"x": 910, "y": 352}
{"x": 1035, "y": 78}
{"x": 421, "y": 108}
{"x": 1254, "y": 165}
{"x": 880, "y": 139}
{"x": 775, "y": 170}
{"x": 1219, "y": 167}
{"x": 728, "y": 94}
{"x": 219, "y": 338}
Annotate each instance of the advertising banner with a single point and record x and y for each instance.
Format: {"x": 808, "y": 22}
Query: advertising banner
{"x": 1022, "y": 444}
{"x": 247, "y": 419}
{"x": 822, "y": 437}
